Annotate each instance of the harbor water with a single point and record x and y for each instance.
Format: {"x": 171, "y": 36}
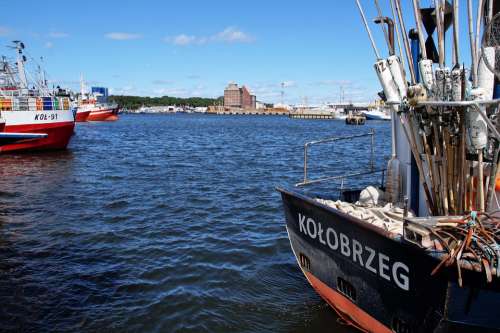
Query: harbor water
{"x": 166, "y": 223}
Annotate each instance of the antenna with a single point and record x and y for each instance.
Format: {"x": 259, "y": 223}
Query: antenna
{"x": 282, "y": 93}
{"x": 21, "y": 59}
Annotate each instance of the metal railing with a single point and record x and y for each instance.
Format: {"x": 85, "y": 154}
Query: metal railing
{"x": 372, "y": 170}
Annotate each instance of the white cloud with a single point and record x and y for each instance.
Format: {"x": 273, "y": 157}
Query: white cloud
{"x": 122, "y": 36}
{"x": 289, "y": 84}
{"x": 183, "y": 40}
{"x": 162, "y": 82}
{"x": 49, "y": 45}
{"x": 228, "y": 35}
{"x": 58, "y": 34}
{"x": 233, "y": 35}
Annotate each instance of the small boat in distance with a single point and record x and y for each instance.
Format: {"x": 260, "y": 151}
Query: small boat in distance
{"x": 35, "y": 110}
{"x": 377, "y": 114}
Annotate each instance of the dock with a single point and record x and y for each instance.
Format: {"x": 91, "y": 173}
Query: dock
{"x": 311, "y": 116}
{"x": 247, "y": 112}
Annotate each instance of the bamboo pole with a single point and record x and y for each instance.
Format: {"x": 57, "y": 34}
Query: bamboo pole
{"x": 406, "y": 41}
{"x": 472, "y": 44}
{"x": 440, "y": 32}
{"x": 418, "y": 160}
{"x": 398, "y": 34}
{"x": 418, "y": 22}
{"x": 456, "y": 46}
{"x": 480, "y": 180}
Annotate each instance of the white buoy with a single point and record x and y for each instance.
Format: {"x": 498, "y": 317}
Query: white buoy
{"x": 456, "y": 84}
{"x": 440, "y": 77}
{"x": 485, "y": 77}
{"x": 426, "y": 73}
{"x": 385, "y": 77}
{"x": 476, "y": 126}
{"x": 398, "y": 75}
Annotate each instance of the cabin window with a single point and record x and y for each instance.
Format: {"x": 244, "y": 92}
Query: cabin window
{"x": 346, "y": 288}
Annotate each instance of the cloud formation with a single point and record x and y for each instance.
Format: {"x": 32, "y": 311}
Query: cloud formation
{"x": 122, "y": 36}
{"x": 228, "y": 35}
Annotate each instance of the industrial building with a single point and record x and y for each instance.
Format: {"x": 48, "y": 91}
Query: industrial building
{"x": 238, "y": 97}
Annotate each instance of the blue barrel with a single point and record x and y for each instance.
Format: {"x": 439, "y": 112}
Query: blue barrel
{"x": 496, "y": 92}
{"x": 47, "y": 103}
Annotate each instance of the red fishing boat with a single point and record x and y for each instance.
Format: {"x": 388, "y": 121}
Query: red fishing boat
{"x": 94, "y": 106}
{"x": 36, "y": 110}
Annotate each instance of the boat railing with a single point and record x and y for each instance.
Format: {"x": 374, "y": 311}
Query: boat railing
{"x": 24, "y": 103}
{"x": 476, "y": 105}
{"x": 341, "y": 178}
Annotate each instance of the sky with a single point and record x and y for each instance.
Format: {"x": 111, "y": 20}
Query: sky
{"x": 195, "y": 48}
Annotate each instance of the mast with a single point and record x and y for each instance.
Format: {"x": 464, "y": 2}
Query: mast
{"x": 82, "y": 87}
{"x": 20, "y": 66}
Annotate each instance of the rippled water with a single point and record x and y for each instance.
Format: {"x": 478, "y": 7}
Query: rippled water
{"x": 164, "y": 223}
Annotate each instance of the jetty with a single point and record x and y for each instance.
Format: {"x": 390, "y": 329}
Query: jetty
{"x": 218, "y": 110}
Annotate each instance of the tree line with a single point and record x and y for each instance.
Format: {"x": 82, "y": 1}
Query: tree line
{"x": 135, "y": 102}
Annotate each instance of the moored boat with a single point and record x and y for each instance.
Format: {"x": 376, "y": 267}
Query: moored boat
{"x": 418, "y": 250}
{"x": 94, "y": 106}
{"x": 82, "y": 115}
{"x": 33, "y": 110}
{"x": 377, "y": 114}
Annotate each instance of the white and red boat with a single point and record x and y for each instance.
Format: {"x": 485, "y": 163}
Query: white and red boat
{"x": 82, "y": 114}
{"x": 34, "y": 110}
{"x": 94, "y": 106}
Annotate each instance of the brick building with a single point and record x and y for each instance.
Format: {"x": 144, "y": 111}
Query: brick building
{"x": 236, "y": 97}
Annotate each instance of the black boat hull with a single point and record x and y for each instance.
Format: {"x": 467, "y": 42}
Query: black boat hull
{"x": 380, "y": 283}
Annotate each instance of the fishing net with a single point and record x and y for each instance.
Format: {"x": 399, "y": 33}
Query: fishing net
{"x": 491, "y": 38}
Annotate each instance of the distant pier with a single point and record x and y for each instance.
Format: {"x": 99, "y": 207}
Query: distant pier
{"x": 247, "y": 112}
{"x": 311, "y": 116}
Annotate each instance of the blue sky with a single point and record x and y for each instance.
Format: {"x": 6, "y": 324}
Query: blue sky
{"x": 194, "y": 48}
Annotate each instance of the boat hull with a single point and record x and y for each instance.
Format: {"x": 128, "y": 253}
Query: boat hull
{"x": 377, "y": 116}
{"x": 379, "y": 283}
{"x": 82, "y": 116}
{"x": 58, "y": 125}
{"x": 103, "y": 115}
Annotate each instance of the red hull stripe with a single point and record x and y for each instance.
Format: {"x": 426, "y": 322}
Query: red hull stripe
{"x": 108, "y": 116}
{"x": 82, "y": 116}
{"x": 58, "y": 137}
{"x": 346, "y": 308}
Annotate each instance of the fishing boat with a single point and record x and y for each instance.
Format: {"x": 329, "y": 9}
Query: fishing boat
{"x": 413, "y": 246}
{"x": 82, "y": 114}
{"x": 35, "y": 110}
{"x": 94, "y": 106}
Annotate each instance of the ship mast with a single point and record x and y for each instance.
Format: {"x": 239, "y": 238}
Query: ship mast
{"x": 23, "y": 81}
{"x": 82, "y": 87}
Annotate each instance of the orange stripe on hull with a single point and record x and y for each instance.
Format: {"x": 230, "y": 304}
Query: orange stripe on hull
{"x": 346, "y": 308}
{"x": 58, "y": 137}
